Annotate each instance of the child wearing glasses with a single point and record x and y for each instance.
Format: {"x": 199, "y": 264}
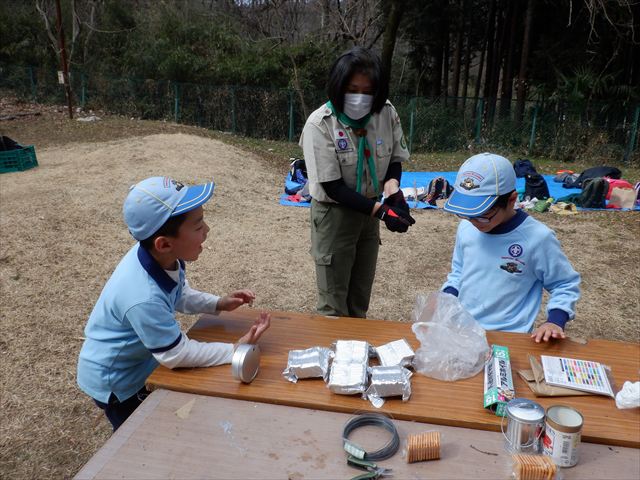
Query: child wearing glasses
{"x": 503, "y": 258}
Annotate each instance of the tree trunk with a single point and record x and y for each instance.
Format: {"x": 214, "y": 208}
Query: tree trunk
{"x": 390, "y": 34}
{"x": 501, "y": 41}
{"x": 479, "y": 77}
{"x": 507, "y": 76}
{"x": 455, "y": 83}
{"x": 445, "y": 63}
{"x": 467, "y": 62}
{"x": 521, "y": 93}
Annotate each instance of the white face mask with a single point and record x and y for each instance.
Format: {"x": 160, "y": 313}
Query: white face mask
{"x": 357, "y": 105}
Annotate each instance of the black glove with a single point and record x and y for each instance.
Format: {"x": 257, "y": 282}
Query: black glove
{"x": 398, "y": 202}
{"x": 400, "y": 205}
{"x": 392, "y": 219}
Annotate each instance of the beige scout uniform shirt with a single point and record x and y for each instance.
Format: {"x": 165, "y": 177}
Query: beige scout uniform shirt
{"x": 331, "y": 150}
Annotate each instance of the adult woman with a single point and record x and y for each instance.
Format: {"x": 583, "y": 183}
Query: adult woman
{"x": 353, "y": 147}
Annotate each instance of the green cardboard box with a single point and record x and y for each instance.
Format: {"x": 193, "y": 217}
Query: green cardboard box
{"x": 498, "y": 382}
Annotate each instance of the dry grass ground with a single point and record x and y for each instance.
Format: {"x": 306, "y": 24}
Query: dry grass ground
{"x": 62, "y": 233}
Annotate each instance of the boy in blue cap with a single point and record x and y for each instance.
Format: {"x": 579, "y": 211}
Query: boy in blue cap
{"x": 503, "y": 258}
{"x": 132, "y": 327}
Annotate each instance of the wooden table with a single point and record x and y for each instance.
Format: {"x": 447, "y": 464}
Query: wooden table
{"x": 233, "y": 439}
{"x": 432, "y": 401}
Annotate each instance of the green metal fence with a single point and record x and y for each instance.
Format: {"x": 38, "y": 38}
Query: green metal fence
{"x": 551, "y": 128}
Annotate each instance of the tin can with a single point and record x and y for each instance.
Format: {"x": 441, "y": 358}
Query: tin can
{"x": 562, "y": 435}
{"x": 525, "y": 425}
{"x": 245, "y": 362}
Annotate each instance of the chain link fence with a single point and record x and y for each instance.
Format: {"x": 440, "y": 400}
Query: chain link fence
{"x": 553, "y": 128}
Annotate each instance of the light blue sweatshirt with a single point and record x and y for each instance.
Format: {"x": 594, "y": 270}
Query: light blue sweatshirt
{"x": 499, "y": 276}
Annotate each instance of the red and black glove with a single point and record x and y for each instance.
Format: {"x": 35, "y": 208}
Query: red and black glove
{"x": 393, "y": 219}
{"x": 398, "y": 202}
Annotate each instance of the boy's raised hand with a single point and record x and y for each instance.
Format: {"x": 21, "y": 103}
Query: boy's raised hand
{"x": 236, "y": 299}
{"x": 257, "y": 329}
{"x": 547, "y": 331}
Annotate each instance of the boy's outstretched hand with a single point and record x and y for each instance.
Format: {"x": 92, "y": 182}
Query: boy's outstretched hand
{"x": 236, "y": 299}
{"x": 546, "y": 331}
{"x": 257, "y": 329}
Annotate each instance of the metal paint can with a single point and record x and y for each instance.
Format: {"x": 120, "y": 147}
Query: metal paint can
{"x": 562, "y": 435}
{"x": 525, "y": 425}
{"x": 245, "y": 362}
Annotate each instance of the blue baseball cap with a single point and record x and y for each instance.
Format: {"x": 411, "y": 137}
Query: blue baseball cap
{"x": 151, "y": 202}
{"x": 480, "y": 181}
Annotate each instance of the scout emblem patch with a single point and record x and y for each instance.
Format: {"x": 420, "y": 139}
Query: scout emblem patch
{"x": 513, "y": 264}
{"x": 342, "y": 141}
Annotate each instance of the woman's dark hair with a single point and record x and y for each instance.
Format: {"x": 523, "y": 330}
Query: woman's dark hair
{"x": 503, "y": 200}
{"x": 357, "y": 60}
{"x": 169, "y": 229}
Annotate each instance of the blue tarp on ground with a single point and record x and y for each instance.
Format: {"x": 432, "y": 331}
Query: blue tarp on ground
{"x": 422, "y": 179}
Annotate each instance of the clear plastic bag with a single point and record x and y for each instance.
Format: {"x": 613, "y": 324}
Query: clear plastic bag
{"x": 452, "y": 344}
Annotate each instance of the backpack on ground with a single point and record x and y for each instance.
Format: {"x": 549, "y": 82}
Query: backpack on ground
{"x": 438, "y": 189}
{"x": 594, "y": 193}
{"x": 297, "y": 176}
{"x": 524, "y": 167}
{"x": 596, "y": 172}
{"x": 535, "y": 186}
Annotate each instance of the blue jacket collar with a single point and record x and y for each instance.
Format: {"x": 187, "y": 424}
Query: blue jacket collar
{"x": 511, "y": 224}
{"x": 154, "y": 270}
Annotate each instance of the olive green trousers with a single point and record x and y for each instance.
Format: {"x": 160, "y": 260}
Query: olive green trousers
{"x": 344, "y": 246}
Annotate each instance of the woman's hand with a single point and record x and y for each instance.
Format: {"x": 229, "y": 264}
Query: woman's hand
{"x": 236, "y": 299}
{"x": 257, "y": 329}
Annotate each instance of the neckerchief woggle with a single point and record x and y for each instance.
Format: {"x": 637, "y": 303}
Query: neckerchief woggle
{"x": 363, "y": 147}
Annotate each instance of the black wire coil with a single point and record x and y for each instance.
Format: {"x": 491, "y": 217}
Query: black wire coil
{"x": 376, "y": 420}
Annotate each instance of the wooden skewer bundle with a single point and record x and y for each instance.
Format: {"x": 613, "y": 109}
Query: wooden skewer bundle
{"x": 534, "y": 467}
{"x": 423, "y": 446}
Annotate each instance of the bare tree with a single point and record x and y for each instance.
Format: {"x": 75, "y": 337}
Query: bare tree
{"x": 83, "y": 25}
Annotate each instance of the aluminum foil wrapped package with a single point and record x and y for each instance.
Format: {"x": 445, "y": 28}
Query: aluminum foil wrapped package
{"x": 310, "y": 363}
{"x": 388, "y": 382}
{"x": 352, "y": 351}
{"x": 398, "y": 352}
{"x": 348, "y": 378}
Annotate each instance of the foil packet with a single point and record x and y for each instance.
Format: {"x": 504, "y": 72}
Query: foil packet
{"x": 391, "y": 381}
{"x": 351, "y": 351}
{"x": 398, "y": 352}
{"x": 310, "y": 363}
{"x": 348, "y": 378}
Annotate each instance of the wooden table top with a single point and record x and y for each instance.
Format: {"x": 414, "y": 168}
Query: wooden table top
{"x": 186, "y": 436}
{"x": 432, "y": 401}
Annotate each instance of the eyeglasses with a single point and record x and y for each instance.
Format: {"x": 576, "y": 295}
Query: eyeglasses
{"x": 479, "y": 219}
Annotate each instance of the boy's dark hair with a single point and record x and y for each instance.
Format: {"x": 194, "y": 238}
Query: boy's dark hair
{"x": 357, "y": 60}
{"x": 169, "y": 229}
{"x": 503, "y": 200}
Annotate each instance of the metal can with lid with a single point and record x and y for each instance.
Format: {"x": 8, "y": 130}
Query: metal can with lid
{"x": 525, "y": 425}
{"x": 245, "y": 362}
{"x": 562, "y": 435}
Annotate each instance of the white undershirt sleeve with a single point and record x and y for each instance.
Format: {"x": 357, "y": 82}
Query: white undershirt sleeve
{"x": 191, "y": 353}
{"x": 192, "y": 300}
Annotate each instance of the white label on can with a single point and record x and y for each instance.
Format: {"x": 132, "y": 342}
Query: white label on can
{"x": 561, "y": 447}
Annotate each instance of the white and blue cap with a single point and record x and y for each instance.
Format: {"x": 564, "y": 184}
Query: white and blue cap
{"x": 480, "y": 181}
{"x": 151, "y": 202}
